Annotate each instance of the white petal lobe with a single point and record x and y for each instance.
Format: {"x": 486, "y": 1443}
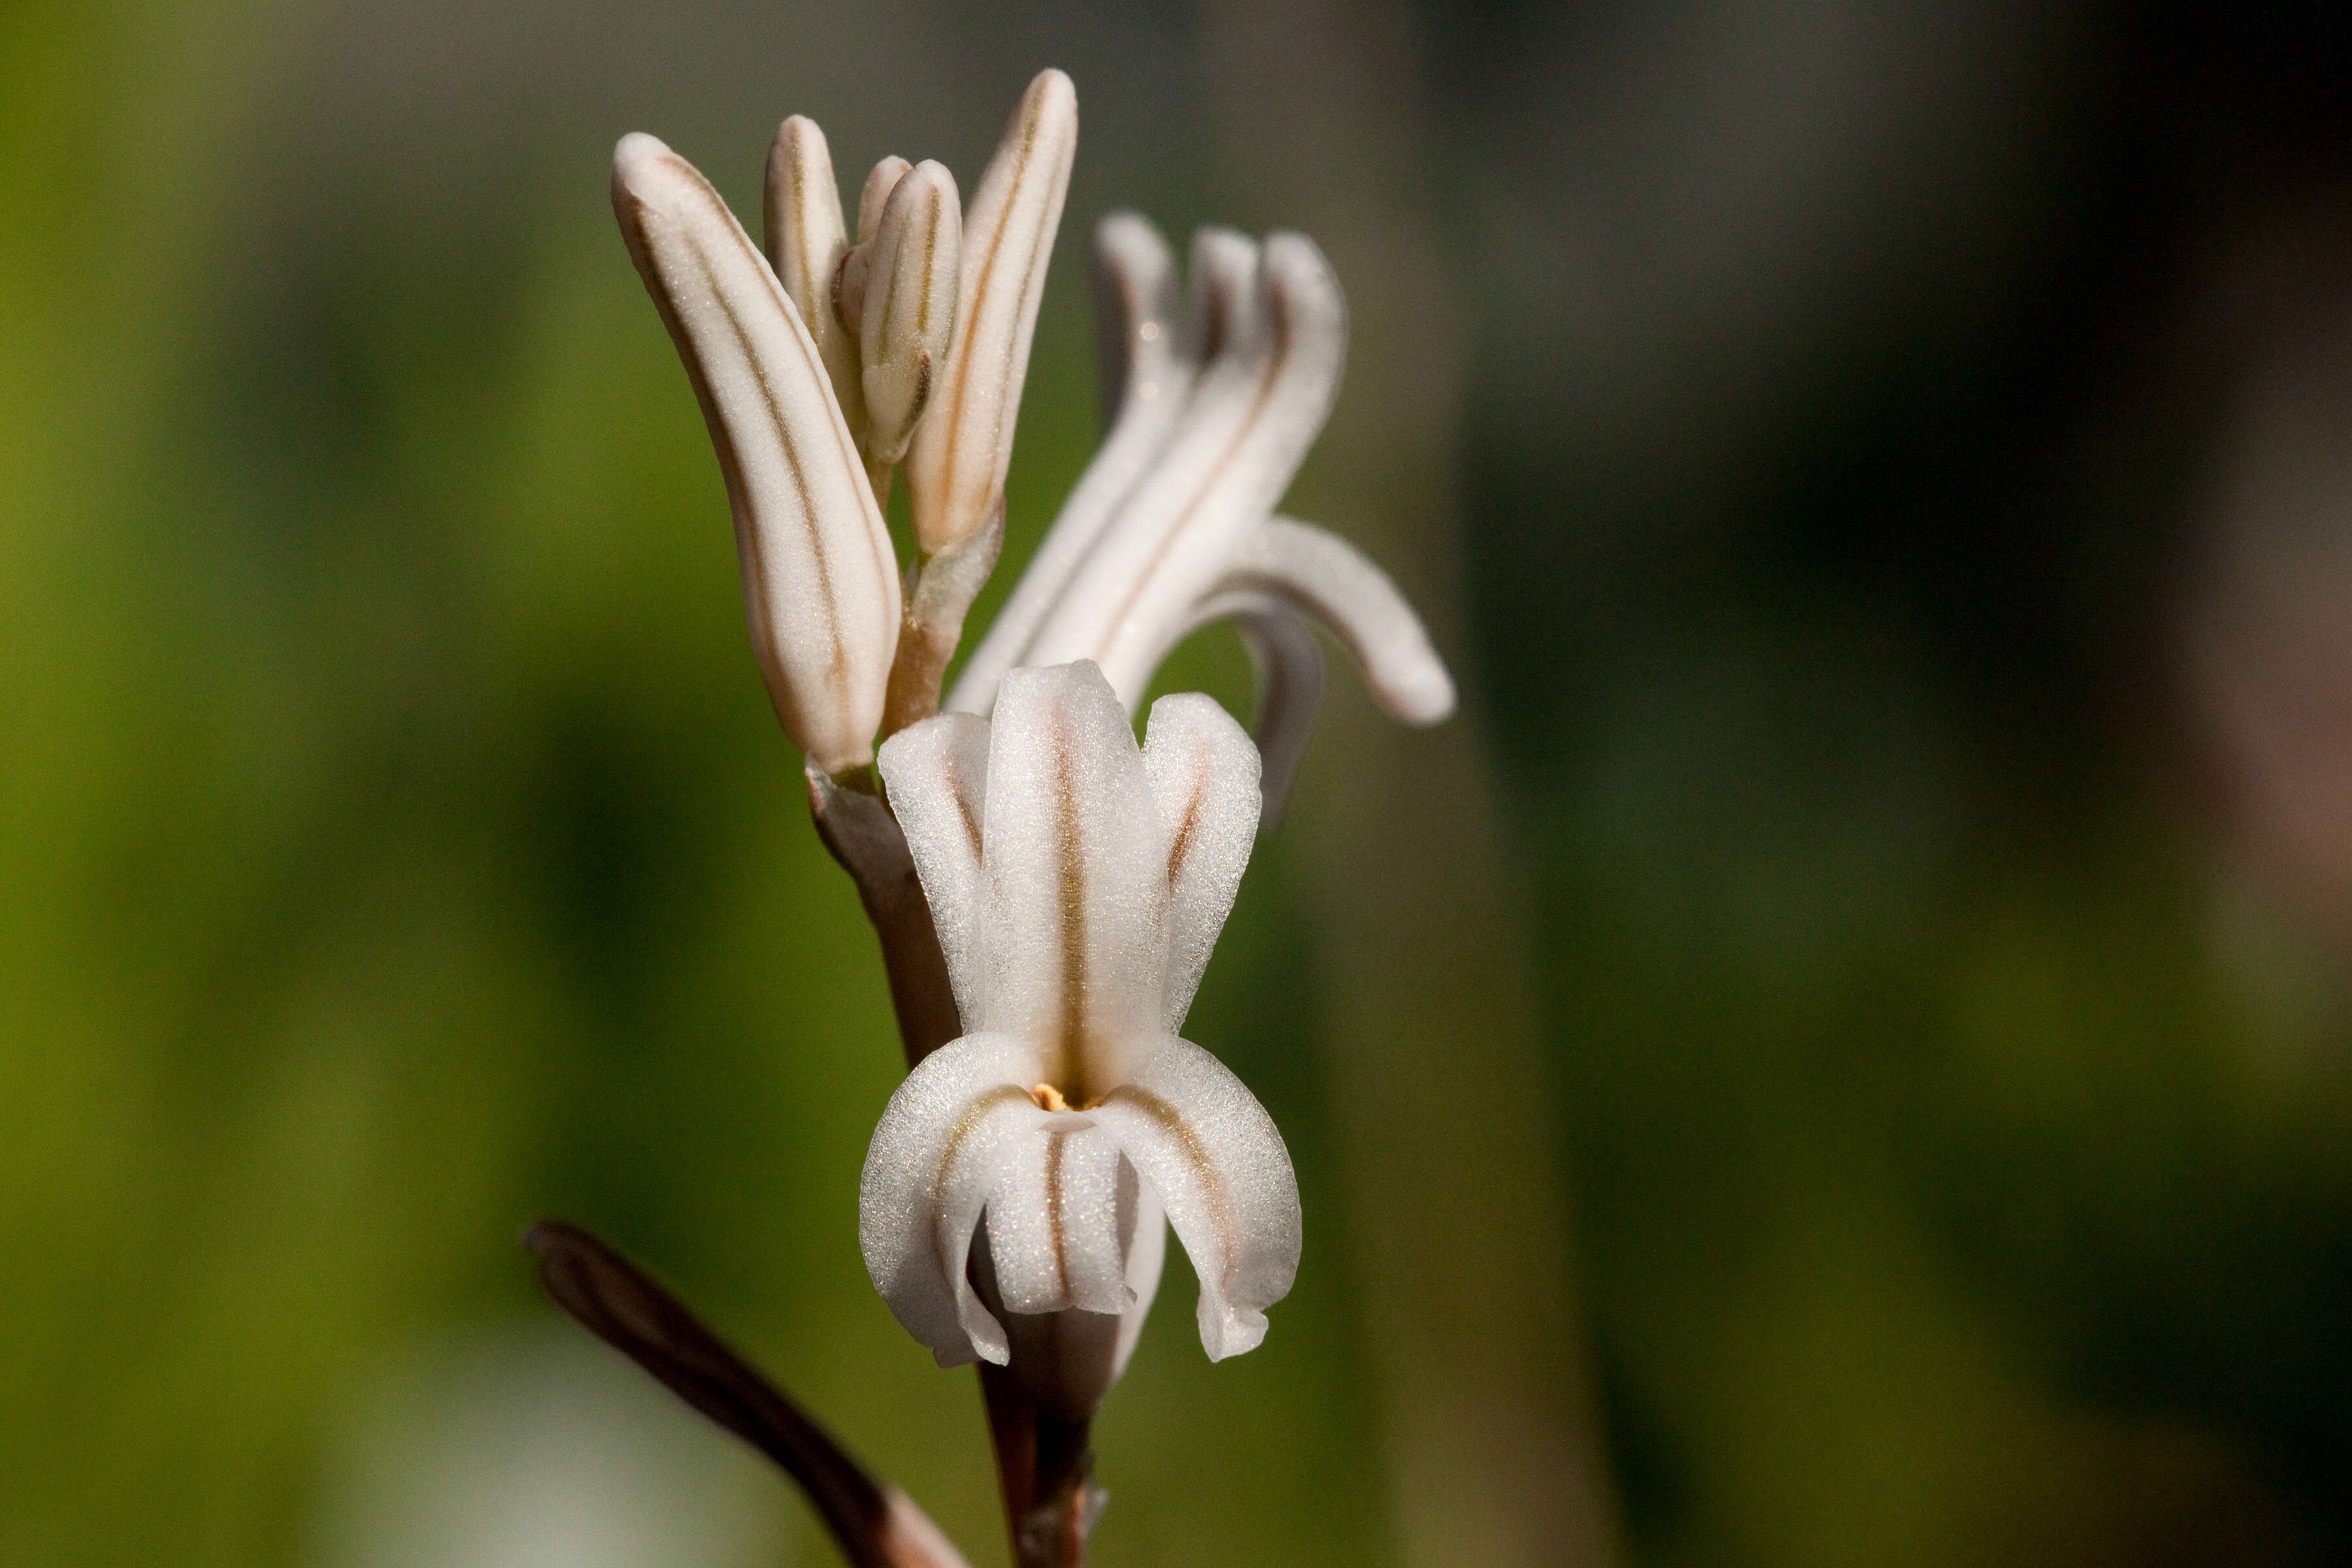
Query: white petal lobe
{"x": 944, "y": 1142}
{"x": 1209, "y": 1149}
{"x": 1135, "y": 291}
{"x": 1072, "y": 854}
{"x": 805, "y": 244}
{"x": 910, "y": 307}
{"x": 937, "y": 774}
{"x": 1330, "y": 581}
{"x": 955, "y": 470}
{"x": 1053, "y": 1222}
{"x": 1203, "y": 773}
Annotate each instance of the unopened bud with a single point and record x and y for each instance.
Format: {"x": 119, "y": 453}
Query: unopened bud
{"x": 856, "y": 264}
{"x": 819, "y": 581}
{"x": 806, "y": 241}
{"x": 909, "y": 305}
{"x": 955, "y": 467}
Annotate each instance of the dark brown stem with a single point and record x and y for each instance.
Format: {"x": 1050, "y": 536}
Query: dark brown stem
{"x": 862, "y": 835}
{"x": 1044, "y": 1470}
{"x": 620, "y": 1304}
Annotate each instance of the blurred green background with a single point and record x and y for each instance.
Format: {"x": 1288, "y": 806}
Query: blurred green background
{"x": 1883, "y": 474}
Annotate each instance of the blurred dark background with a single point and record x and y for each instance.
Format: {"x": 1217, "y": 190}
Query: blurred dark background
{"x": 1854, "y": 1015}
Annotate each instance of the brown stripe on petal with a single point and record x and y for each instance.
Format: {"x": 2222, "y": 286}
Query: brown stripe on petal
{"x": 837, "y": 667}
{"x": 1074, "y": 913}
{"x": 1180, "y": 847}
{"x": 967, "y": 1122}
{"x": 1054, "y": 1145}
{"x": 1213, "y": 1182}
{"x": 1285, "y": 341}
{"x": 1014, "y": 188}
{"x": 970, "y": 821}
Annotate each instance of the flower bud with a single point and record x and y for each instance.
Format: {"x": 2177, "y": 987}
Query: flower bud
{"x": 909, "y": 305}
{"x": 955, "y": 467}
{"x": 819, "y": 581}
{"x": 849, "y": 278}
{"x": 805, "y": 244}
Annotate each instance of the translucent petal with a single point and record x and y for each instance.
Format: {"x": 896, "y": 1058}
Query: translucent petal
{"x": 1147, "y": 1252}
{"x": 955, "y": 470}
{"x": 1203, "y": 772}
{"x": 1074, "y": 861}
{"x": 944, "y": 1142}
{"x": 820, "y": 583}
{"x": 1053, "y": 1222}
{"x": 937, "y": 774}
{"x": 1212, "y": 1155}
{"x": 1287, "y": 666}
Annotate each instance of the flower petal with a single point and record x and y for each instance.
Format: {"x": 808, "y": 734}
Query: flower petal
{"x": 955, "y": 470}
{"x": 1209, "y": 1149}
{"x": 937, "y": 774}
{"x": 1074, "y": 856}
{"x": 1053, "y": 1222}
{"x": 820, "y": 583}
{"x": 1258, "y": 408}
{"x": 1135, "y": 300}
{"x": 1068, "y": 1360}
{"x": 944, "y": 1142}
{"x": 1286, "y": 663}
{"x": 1330, "y": 581}
{"x": 1203, "y": 773}
{"x": 1144, "y": 1226}
{"x": 875, "y": 195}
{"x": 806, "y": 241}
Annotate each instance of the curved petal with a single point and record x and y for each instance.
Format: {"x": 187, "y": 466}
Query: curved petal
{"x": 1072, "y": 854}
{"x": 944, "y": 1142}
{"x": 1143, "y": 1228}
{"x": 1053, "y": 1222}
{"x": 937, "y": 774}
{"x": 1212, "y": 1155}
{"x": 1069, "y": 1359}
{"x": 1288, "y": 664}
{"x": 1330, "y": 581}
{"x": 820, "y": 582}
{"x": 1135, "y": 295}
{"x": 955, "y": 470}
{"x": 1203, "y": 773}
{"x": 1257, "y": 411}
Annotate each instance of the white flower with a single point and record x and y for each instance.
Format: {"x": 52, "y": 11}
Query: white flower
{"x": 820, "y": 580}
{"x": 1078, "y": 885}
{"x": 1172, "y": 527}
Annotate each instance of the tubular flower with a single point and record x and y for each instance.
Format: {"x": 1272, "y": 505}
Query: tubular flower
{"x": 1217, "y": 398}
{"x": 1078, "y": 885}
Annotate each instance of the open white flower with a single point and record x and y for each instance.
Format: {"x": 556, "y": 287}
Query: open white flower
{"x": 1078, "y": 885}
